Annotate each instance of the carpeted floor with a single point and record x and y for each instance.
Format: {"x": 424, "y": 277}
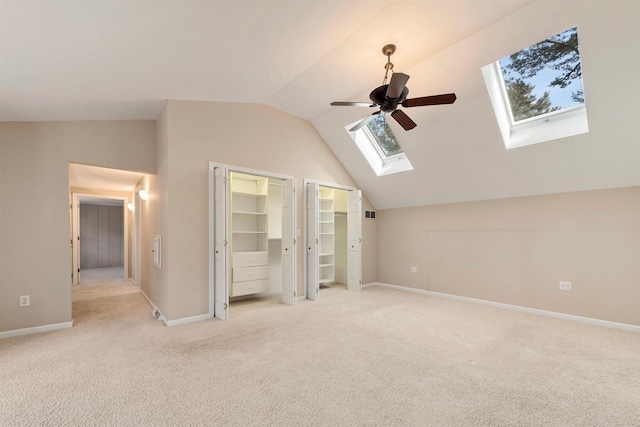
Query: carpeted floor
{"x": 101, "y": 275}
{"x": 377, "y": 357}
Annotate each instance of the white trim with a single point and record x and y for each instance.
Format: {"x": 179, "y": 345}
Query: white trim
{"x": 36, "y": 330}
{"x": 589, "y": 320}
{"x": 546, "y": 127}
{"x": 305, "y": 181}
{"x": 248, "y": 171}
{"x": 75, "y": 213}
{"x": 212, "y": 242}
{"x": 184, "y": 320}
{"x": 370, "y": 149}
{"x": 151, "y": 304}
{"x": 328, "y": 184}
{"x": 154, "y": 308}
{"x": 238, "y": 169}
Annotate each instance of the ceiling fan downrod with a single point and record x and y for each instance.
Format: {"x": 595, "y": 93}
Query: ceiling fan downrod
{"x": 388, "y": 50}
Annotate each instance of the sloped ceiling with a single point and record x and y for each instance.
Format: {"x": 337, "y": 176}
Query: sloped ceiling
{"x": 86, "y": 60}
{"x": 97, "y": 178}
{"x": 457, "y": 151}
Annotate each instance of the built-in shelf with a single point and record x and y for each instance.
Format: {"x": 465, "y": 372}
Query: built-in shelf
{"x": 247, "y": 194}
{"x": 248, "y": 213}
{"x": 249, "y": 235}
{"x": 249, "y": 232}
{"x": 326, "y": 235}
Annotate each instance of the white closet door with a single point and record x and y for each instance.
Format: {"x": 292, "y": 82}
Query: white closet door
{"x": 221, "y": 294}
{"x": 354, "y": 240}
{"x": 312, "y": 241}
{"x": 288, "y": 245}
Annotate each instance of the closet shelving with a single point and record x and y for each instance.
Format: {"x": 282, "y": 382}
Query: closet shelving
{"x": 326, "y": 236}
{"x": 249, "y": 234}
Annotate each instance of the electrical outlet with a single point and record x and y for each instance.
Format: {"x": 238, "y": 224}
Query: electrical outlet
{"x": 565, "y": 286}
{"x": 414, "y": 269}
{"x": 25, "y": 300}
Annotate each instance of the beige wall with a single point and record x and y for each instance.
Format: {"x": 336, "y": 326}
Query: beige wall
{"x": 35, "y": 256}
{"x": 154, "y": 280}
{"x": 246, "y": 135}
{"x": 515, "y": 251}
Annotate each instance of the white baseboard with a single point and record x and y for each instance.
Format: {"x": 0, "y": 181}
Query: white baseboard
{"x": 154, "y": 309}
{"x": 300, "y": 299}
{"x": 148, "y": 299}
{"x": 36, "y": 329}
{"x": 592, "y": 321}
{"x": 184, "y": 320}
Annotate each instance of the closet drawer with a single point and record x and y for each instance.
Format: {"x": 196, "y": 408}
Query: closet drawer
{"x": 249, "y": 259}
{"x": 249, "y": 287}
{"x": 242, "y": 274}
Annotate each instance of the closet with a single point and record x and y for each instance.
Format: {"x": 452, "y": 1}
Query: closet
{"x": 334, "y": 237}
{"x": 326, "y": 248}
{"x": 340, "y": 235}
{"x": 332, "y": 232}
{"x": 256, "y": 231}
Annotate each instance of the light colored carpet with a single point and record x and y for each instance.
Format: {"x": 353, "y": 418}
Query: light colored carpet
{"x": 100, "y": 275}
{"x": 378, "y": 357}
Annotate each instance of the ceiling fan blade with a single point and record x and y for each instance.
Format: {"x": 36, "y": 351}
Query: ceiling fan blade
{"x": 363, "y": 122}
{"x": 353, "y": 104}
{"x": 396, "y": 85}
{"x": 403, "y": 120}
{"x": 448, "y": 98}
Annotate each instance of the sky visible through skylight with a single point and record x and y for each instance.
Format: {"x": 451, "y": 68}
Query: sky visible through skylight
{"x": 531, "y": 72}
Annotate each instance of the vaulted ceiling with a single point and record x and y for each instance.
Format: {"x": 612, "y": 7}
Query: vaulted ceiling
{"x": 85, "y": 60}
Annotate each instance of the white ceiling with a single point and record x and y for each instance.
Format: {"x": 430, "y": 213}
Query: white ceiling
{"x": 104, "y": 60}
{"x": 457, "y": 151}
{"x": 97, "y": 178}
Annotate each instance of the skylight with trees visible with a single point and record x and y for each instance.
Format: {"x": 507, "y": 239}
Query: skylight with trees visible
{"x": 545, "y": 77}
{"x": 379, "y": 146}
{"x": 383, "y": 138}
{"x": 539, "y": 85}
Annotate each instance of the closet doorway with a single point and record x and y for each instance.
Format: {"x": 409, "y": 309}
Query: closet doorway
{"x": 333, "y": 236}
{"x": 100, "y": 229}
{"x": 252, "y": 237}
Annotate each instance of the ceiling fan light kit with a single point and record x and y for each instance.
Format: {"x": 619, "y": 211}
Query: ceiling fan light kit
{"x": 390, "y": 96}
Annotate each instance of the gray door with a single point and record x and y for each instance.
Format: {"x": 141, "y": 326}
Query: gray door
{"x": 101, "y": 236}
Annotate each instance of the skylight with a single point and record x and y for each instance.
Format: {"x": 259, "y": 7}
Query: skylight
{"x": 380, "y": 147}
{"x": 537, "y": 92}
{"x": 382, "y": 137}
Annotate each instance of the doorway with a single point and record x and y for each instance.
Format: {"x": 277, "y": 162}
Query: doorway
{"x": 252, "y": 244}
{"x": 100, "y": 225}
{"x": 334, "y": 237}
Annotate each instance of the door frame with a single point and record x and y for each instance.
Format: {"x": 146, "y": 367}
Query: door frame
{"x": 306, "y": 226}
{"x": 136, "y": 238}
{"x": 75, "y": 232}
{"x": 212, "y": 242}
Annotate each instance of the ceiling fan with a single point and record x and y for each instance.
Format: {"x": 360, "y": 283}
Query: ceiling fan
{"x": 390, "y": 96}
